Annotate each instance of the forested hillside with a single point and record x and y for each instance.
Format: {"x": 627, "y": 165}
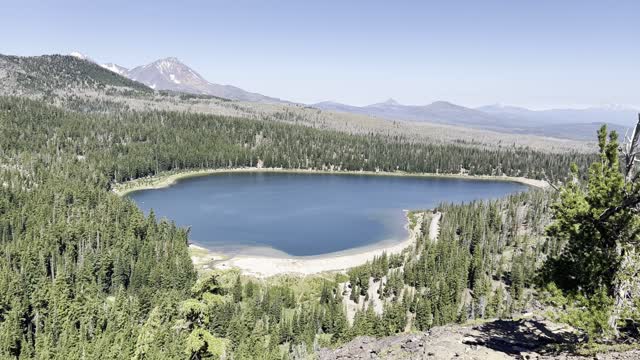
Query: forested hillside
{"x": 50, "y": 73}
{"x": 130, "y": 145}
{"x": 86, "y": 275}
{"x": 80, "y": 85}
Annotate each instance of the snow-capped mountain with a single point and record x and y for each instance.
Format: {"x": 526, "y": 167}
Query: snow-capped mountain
{"x": 171, "y": 74}
{"x": 120, "y": 70}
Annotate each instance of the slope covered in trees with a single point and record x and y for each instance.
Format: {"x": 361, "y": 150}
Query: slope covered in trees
{"x": 50, "y": 73}
{"x": 130, "y": 145}
{"x": 84, "y": 274}
{"x": 80, "y": 85}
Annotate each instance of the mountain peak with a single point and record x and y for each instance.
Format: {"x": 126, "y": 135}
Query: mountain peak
{"x": 170, "y": 59}
{"x": 176, "y": 71}
{"x": 170, "y": 73}
{"x": 443, "y": 104}
{"x": 388, "y": 102}
{"x": 391, "y": 101}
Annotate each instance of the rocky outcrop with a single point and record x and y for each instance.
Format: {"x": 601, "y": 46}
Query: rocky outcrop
{"x": 496, "y": 340}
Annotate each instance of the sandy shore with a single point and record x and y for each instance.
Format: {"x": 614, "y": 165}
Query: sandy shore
{"x": 265, "y": 266}
{"x": 203, "y": 258}
{"x": 168, "y": 179}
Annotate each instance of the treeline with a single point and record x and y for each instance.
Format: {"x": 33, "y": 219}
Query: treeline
{"x": 481, "y": 265}
{"x": 84, "y": 274}
{"x": 130, "y": 145}
{"x": 81, "y": 269}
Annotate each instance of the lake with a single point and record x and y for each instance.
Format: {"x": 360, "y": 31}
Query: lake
{"x": 305, "y": 214}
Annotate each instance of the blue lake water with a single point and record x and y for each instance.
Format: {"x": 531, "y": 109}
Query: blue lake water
{"x": 305, "y": 214}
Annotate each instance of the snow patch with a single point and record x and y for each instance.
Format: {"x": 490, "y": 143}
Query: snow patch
{"x": 115, "y": 68}
{"x": 79, "y": 55}
{"x": 173, "y": 78}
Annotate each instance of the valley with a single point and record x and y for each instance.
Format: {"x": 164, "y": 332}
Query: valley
{"x": 90, "y": 271}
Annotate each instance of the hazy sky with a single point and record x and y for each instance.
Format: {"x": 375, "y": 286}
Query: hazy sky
{"x": 531, "y": 53}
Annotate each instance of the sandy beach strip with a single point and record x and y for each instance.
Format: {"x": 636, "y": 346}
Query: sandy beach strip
{"x": 265, "y": 266}
{"x": 202, "y": 257}
{"x": 170, "y": 178}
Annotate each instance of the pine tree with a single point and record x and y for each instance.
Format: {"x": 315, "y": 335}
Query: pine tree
{"x": 598, "y": 225}
{"x": 237, "y": 290}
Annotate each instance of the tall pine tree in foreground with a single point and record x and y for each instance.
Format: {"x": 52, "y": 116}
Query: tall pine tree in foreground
{"x": 599, "y": 225}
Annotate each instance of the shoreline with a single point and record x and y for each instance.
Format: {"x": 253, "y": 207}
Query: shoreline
{"x": 167, "y": 179}
{"x": 261, "y": 266}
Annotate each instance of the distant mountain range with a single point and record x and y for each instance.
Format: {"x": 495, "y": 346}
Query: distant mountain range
{"x": 613, "y": 114}
{"x": 172, "y": 75}
{"x": 564, "y": 123}
{"x": 19, "y": 75}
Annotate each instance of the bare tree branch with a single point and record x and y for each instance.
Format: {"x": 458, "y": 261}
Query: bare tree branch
{"x": 628, "y": 202}
{"x": 550, "y": 182}
{"x": 630, "y": 151}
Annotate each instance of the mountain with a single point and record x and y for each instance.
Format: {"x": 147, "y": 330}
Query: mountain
{"x": 388, "y": 103}
{"x": 613, "y": 114}
{"x": 123, "y": 71}
{"x": 446, "y": 112}
{"x": 169, "y": 74}
{"x": 437, "y": 112}
{"x": 578, "y": 124}
{"x": 68, "y": 74}
{"x": 335, "y": 106}
{"x": 173, "y": 75}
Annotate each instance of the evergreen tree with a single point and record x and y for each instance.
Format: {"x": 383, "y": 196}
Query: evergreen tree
{"x": 598, "y": 225}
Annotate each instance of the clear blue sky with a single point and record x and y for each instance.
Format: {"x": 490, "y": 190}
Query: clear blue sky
{"x": 531, "y": 53}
